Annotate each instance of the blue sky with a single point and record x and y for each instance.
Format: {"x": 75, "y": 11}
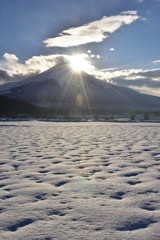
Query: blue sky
{"x": 124, "y": 34}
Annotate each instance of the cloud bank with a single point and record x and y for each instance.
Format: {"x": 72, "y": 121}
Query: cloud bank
{"x": 95, "y": 31}
{"x": 145, "y": 81}
{"x": 13, "y": 67}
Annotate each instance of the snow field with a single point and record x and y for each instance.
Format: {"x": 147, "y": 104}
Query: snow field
{"x": 79, "y": 181}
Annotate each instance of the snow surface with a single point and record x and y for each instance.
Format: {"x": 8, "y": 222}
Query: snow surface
{"x": 79, "y": 180}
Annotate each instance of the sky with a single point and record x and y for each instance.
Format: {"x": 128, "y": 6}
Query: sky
{"x": 118, "y": 39}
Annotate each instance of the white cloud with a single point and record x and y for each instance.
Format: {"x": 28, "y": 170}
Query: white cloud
{"x": 91, "y": 55}
{"x": 11, "y": 64}
{"x": 95, "y": 31}
{"x": 10, "y": 57}
{"x": 130, "y": 12}
{"x": 36, "y": 64}
{"x": 140, "y": 1}
{"x": 111, "y": 49}
{"x": 156, "y": 61}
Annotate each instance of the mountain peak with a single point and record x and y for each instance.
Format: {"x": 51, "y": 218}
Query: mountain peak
{"x": 64, "y": 89}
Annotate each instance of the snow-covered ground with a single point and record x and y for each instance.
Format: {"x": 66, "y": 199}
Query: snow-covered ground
{"x": 79, "y": 180}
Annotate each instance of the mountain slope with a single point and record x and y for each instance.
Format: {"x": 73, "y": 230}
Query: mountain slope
{"x": 59, "y": 88}
{"x": 14, "y": 107}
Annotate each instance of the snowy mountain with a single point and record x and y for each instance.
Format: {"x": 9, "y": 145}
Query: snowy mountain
{"x": 60, "y": 88}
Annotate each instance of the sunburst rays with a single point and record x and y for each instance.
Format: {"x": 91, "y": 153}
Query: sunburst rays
{"x": 74, "y": 93}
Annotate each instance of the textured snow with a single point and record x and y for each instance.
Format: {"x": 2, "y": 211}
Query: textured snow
{"x": 79, "y": 180}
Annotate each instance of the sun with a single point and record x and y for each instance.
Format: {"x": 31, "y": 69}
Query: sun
{"x": 79, "y": 63}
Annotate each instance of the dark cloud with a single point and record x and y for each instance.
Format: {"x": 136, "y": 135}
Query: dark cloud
{"x": 4, "y": 77}
{"x": 61, "y": 59}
